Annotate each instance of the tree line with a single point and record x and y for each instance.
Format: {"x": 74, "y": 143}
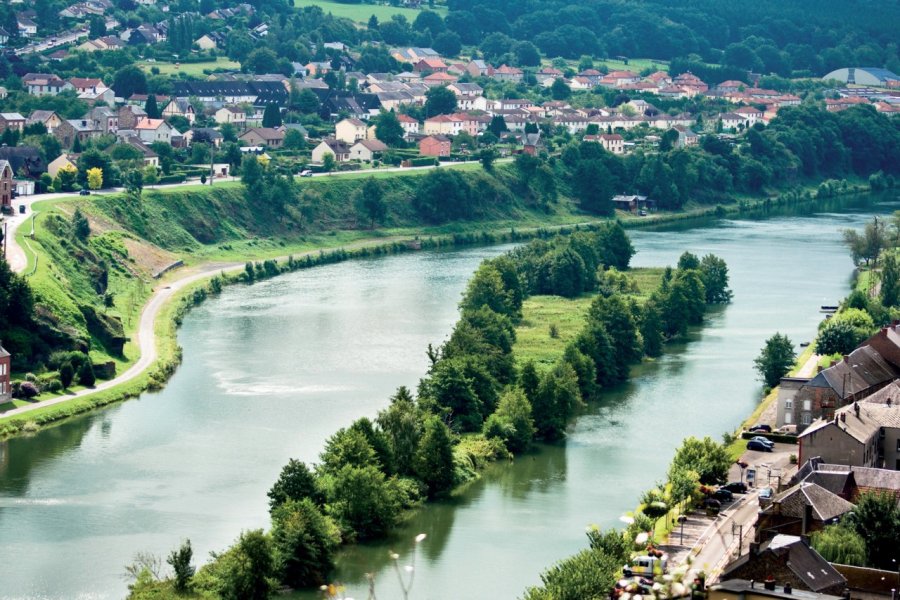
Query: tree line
{"x": 418, "y": 447}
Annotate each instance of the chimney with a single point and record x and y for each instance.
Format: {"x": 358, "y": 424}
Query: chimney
{"x": 787, "y": 587}
{"x": 844, "y": 417}
{"x": 769, "y": 583}
{"x": 846, "y": 358}
{"x": 752, "y": 584}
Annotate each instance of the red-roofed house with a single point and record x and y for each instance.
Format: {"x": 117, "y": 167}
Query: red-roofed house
{"x": 154, "y": 130}
{"x": 435, "y": 145}
{"x": 410, "y": 126}
{"x": 439, "y": 79}
{"x": 507, "y": 73}
{"x": 83, "y": 85}
{"x": 435, "y": 65}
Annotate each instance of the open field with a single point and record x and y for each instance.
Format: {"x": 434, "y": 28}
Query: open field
{"x": 361, "y": 12}
{"x": 193, "y": 69}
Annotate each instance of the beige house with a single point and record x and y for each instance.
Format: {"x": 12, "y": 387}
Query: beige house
{"x": 204, "y": 42}
{"x": 263, "y": 136}
{"x": 350, "y": 131}
{"x": 179, "y": 107}
{"x": 47, "y": 118}
{"x": 337, "y": 148}
{"x": 60, "y": 162}
{"x": 365, "y": 150}
{"x": 231, "y": 114}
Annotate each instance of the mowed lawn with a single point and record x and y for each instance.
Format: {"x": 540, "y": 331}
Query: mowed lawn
{"x": 193, "y": 69}
{"x": 361, "y": 12}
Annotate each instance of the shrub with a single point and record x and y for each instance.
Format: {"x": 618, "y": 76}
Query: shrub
{"x": 28, "y": 390}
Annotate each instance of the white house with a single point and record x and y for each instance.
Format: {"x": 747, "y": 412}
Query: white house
{"x": 154, "y": 130}
{"x": 350, "y": 131}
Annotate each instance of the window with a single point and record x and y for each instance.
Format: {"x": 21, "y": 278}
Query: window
{"x": 807, "y": 405}
{"x": 788, "y": 418}
{"x": 898, "y": 444}
{"x": 789, "y": 403}
{"x": 806, "y": 418}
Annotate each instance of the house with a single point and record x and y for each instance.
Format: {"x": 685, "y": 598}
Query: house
{"x": 338, "y": 149}
{"x": 25, "y": 160}
{"x": 44, "y": 84}
{"x": 443, "y": 125}
{"x": 732, "y": 120}
{"x": 532, "y": 143}
{"x": 206, "y": 135}
{"x": 789, "y": 559}
{"x": 410, "y": 126}
{"x": 6, "y": 189}
{"x": 47, "y": 118}
{"x": 263, "y": 136}
{"x": 863, "y": 434}
{"x": 231, "y": 114}
{"x": 150, "y": 158}
{"x": 75, "y": 129}
{"x": 686, "y": 137}
{"x": 154, "y": 130}
{"x": 105, "y": 119}
{"x": 82, "y": 85}
{"x": 466, "y": 93}
{"x": 507, "y": 73}
{"x": 800, "y": 510}
{"x": 752, "y": 114}
{"x": 613, "y": 142}
{"x": 5, "y": 357}
{"x": 60, "y": 162}
{"x": 632, "y": 203}
{"x": 27, "y": 27}
{"x": 179, "y": 107}
{"x": 4, "y": 37}
{"x": 438, "y": 79}
{"x": 479, "y": 68}
{"x": 435, "y": 145}
{"x": 848, "y": 482}
{"x": 129, "y": 115}
{"x": 350, "y": 131}
{"x": 205, "y": 42}
{"x": 548, "y": 74}
{"x": 102, "y": 44}
{"x": 431, "y": 65}
{"x": 732, "y": 86}
{"x": 742, "y": 589}
{"x": 365, "y": 150}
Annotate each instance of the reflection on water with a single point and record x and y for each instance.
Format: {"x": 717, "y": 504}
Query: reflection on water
{"x": 272, "y": 370}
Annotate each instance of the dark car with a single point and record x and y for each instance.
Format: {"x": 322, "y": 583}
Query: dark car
{"x": 766, "y": 493}
{"x": 736, "y": 487}
{"x": 759, "y": 446}
{"x": 722, "y": 495}
{"x": 761, "y": 427}
{"x": 84, "y": 193}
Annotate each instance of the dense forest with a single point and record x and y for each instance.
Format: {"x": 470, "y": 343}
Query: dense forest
{"x": 473, "y": 406}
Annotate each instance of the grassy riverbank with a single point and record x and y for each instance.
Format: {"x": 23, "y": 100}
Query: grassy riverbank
{"x": 218, "y": 226}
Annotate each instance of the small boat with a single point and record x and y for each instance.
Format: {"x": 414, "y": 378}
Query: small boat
{"x": 804, "y": 344}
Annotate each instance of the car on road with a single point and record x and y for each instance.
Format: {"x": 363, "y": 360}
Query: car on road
{"x": 84, "y": 193}
{"x": 760, "y": 446}
{"x": 306, "y": 173}
{"x": 765, "y": 496}
{"x": 722, "y": 495}
{"x": 787, "y": 430}
{"x": 761, "y": 427}
{"x": 735, "y": 487}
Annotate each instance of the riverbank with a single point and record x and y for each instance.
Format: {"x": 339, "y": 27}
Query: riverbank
{"x": 398, "y": 239}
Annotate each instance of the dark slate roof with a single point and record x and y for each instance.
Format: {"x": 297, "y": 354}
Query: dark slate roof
{"x": 794, "y": 500}
{"x": 24, "y": 157}
{"x": 807, "y": 564}
{"x": 266, "y": 92}
{"x": 741, "y": 587}
{"x": 863, "y": 369}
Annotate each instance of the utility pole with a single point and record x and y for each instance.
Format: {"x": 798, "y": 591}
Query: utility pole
{"x": 212, "y": 159}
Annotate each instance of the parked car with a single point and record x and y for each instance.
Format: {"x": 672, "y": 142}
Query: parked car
{"x": 763, "y": 440}
{"x": 765, "y": 495}
{"x": 760, "y": 446}
{"x": 761, "y": 427}
{"x": 645, "y": 566}
{"x": 306, "y": 173}
{"x": 736, "y": 487}
{"x": 787, "y": 430}
{"x": 722, "y": 495}
{"x": 84, "y": 193}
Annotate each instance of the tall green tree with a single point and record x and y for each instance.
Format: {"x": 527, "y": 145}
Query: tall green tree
{"x": 271, "y": 116}
{"x": 129, "y": 80}
{"x": 388, "y": 129}
{"x": 180, "y": 561}
{"x": 556, "y": 398}
{"x": 776, "y": 359}
{"x": 151, "y": 108}
{"x": 890, "y": 281}
{"x": 247, "y": 570}
{"x": 295, "y": 482}
{"x": 305, "y": 542}
{"x": 707, "y": 457}
{"x": 876, "y": 518}
{"x": 402, "y": 423}
{"x": 714, "y": 273}
{"x": 439, "y": 101}
{"x": 434, "y": 457}
{"x": 512, "y": 421}
{"x": 369, "y": 202}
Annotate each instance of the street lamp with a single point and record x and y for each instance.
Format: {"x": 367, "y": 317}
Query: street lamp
{"x": 681, "y": 520}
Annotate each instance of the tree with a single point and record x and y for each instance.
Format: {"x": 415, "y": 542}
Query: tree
{"x": 388, "y": 128}
{"x": 260, "y": 61}
{"x": 252, "y": 175}
{"x": 512, "y": 421}
{"x": 86, "y": 375}
{"x": 439, "y": 101}
{"x": 129, "y": 80}
{"x": 775, "y": 360}
{"x": 134, "y": 183}
{"x": 527, "y": 54}
{"x": 714, "y": 273}
{"x": 498, "y": 125}
{"x": 369, "y": 202}
{"x": 838, "y": 337}
{"x": 294, "y": 140}
{"x": 348, "y": 446}
{"x": 556, "y": 398}
{"x": 271, "y": 116}
{"x": 305, "y": 542}
{"x": 180, "y": 561}
{"x": 651, "y": 328}
{"x": 707, "y": 457}
{"x": 487, "y": 156}
{"x": 328, "y": 162}
{"x": 95, "y": 178}
{"x": 307, "y": 102}
{"x": 65, "y": 179}
{"x": 80, "y": 226}
{"x": 66, "y": 374}
{"x": 248, "y": 568}
{"x": 362, "y": 500}
{"x": 876, "y": 518}
{"x": 296, "y": 482}
{"x": 593, "y": 185}
{"x": 150, "y": 175}
{"x": 560, "y": 90}
{"x": 890, "y": 281}
{"x": 841, "y": 544}
{"x": 434, "y": 457}
{"x": 151, "y": 108}
{"x": 402, "y": 423}
{"x": 448, "y": 43}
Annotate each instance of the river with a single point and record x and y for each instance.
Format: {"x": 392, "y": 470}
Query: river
{"x": 272, "y": 370}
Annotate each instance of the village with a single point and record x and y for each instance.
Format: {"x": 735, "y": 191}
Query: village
{"x": 332, "y": 115}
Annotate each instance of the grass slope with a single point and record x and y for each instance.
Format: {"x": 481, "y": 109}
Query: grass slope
{"x": 361, "y": 12}
{"x": 196, "y": 69}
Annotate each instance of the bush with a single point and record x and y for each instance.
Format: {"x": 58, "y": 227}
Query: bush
{"x": 28, "y": 390}
{"x": 66, "y": 374}
{"x": 54, "y": 386}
